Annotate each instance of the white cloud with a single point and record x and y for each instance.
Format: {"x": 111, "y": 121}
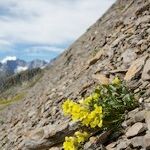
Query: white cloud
{"x": 5, "y": 45}
{"x": 36, "y": 49}
{"x": 46, "y": 21}
{"x": 20, "y": 69}
{"x": 8, "y": 58}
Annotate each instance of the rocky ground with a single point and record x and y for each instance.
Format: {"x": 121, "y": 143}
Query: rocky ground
{"x": 117, "y": 44}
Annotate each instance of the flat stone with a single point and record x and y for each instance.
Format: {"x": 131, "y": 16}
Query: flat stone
{"x": 143, "y": 19}
{"x": 123, "y": 145}
{"x": 135, "y": 129}
{"x": 111, "y": 146}
{"x": 147, "y": 119}
{"x": 128, "y": 56}
{"x": 127, "y": 123}
{"x": 146, "y": 71}
{"x": 98, "y": 55}
{"x": 137, "y": 141}
{"x": 118, "y": 40}
{"x": 147, "y": 141}
{"x": 135, "y": 68}
{"x": 132, "y": 113}
{"x": 97, "y": 141}
{"x": 48, "y": 136}
{"x": 102, "y": 79}
{"x": 140, "y": 116}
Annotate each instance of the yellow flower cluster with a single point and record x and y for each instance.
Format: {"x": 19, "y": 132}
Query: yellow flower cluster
{"x": 73, "y": 143}
{"x": 81, "y": 112}
{"x": 94, "y": 118}
{"x": 77, "y": 112}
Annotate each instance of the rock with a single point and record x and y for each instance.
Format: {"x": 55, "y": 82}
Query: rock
{"x": 135, "y": 68}
{"x": 135, "y": 129}
{"x": 123, "y": 145}
{"x": 128, "y": 56}
{"x": 147, "y": 106}
{"x": 139, "y": 116}
{"x": 55, "y": 148}
{"x": 98, "y": 55}
{"x": 127, "y": 123}
{"x": 118, "y": 40}
{"x": 146, "y": 71}
{"x": 132, "y": 113}
{"x": 143, "y": 19}
{"x": 147, "y": 100}
{"x": 97, "y": 141}
{"x": 111, "y": 146}
{"x": 102, "y": 79}
{"x": 147, "y": 119}
{"x": 49, "y": 136}
{"x": 137, "y": 141}
{"x": 147, "y": 141}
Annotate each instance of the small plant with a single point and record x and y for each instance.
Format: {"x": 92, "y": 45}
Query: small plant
{"x": 104, "y": 108}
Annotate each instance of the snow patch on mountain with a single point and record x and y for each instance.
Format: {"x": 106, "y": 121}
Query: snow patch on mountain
{"x": 8, "y": 58}
{"x": 20, "y": 69}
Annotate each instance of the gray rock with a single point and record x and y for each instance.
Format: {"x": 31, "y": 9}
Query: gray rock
{"x": 127, "y": 123}
{"x": 146, "y": 71}
{"x": 96, "y": 142}
{"x": 147, "y": 119}
{"x": 128, "y": 56}
{"x": 48, "y": 136}
{"x": 123, "y": 145}
{"x": 135, "y": 68}
{"x": 132, "y": 113}
{"x": 140, "y": 116}
{"x": 135, "y": 129}
{"x": 147, "y": 141}
{"x": 137, "y": 141}
{"x": 118, "y": 40}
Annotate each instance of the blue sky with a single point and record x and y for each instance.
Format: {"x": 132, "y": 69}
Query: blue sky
{"x": 42, "y": 29}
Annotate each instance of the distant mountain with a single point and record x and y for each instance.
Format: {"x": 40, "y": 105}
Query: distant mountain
{"x": 37, "y": 64}
{"x": 10, "y": 67}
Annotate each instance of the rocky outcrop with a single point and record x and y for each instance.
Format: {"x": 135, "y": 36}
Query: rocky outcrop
{"x": 103, "y": 52}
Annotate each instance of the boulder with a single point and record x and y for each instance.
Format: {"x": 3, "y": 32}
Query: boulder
{"x": 98, "y": 55}
{"x": 48, "y": 136}
{"x": 147, "y": 119}
{"x": 147, "y": 141}
{"x": 135, "y": 68}
{"x": 128, "y": 56}
{"x": 135, "y": 129}
{"x": 137, "y": 141}
{"x": 140, "y": 116}
{"x": 123, "y": 145}
{"x": 102, "y": 79}
{"x": 146, "y": 71}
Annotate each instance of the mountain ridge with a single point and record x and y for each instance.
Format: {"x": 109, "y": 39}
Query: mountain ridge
{"x": 10, "y": 67}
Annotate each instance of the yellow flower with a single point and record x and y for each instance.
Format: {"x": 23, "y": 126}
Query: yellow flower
{"x": 83, "y": 113}
{"x": 70, "y": 143}
{"x": 88, "y": 100}
{"x": 116, "y": 81}
{"x": 81, "y": 137}
{"x": 95, "y": 96}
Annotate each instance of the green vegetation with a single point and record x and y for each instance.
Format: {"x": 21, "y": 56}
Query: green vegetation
{"x": 103, "y": 109}
{"x": 6, "y": 102}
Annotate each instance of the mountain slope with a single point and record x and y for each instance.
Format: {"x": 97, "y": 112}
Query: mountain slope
{"x": 108, "y": 48}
